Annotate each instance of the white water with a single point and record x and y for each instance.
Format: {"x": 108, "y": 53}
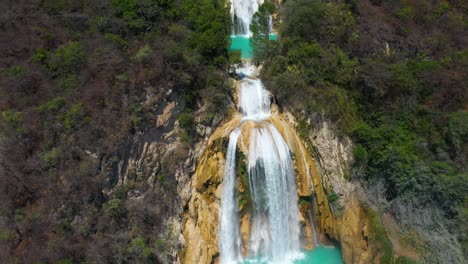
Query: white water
{"x": 229, "y": 237}
{"x": 242, "y": 12}
{"x": 274, "y": 222}
{"x": 275, "y": 232}
{"x": 254, "y": 100}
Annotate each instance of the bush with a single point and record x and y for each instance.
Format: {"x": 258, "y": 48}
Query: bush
{"x": 301, "y": 19}
{"x": 186, "y": 120}
{"x": 67, "y": 59}
{"x": 17, "y": 70}
{"x": 143, "y": 55}
{"x": 116, "y": 40}
{"x": 69, "y": 82}
{"x": 139, "y": 248}
{"x": 53, "y": 105}
{"x": 114, "y": 208}
{"x": 456, "y": 133}
{"x": 14, "y": 120}
{"x": 52, "y": 157}
{"x": 39, "y": 56}
{"x": 73, "y": 117}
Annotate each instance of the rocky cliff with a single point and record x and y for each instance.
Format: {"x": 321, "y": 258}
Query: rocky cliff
{"x": 322, "y": 164}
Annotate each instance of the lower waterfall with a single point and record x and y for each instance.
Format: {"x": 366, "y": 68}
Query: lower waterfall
{"x": 274, "y": 223}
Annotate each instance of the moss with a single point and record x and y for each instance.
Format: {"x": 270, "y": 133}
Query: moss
{"x": 379, "y": 235}
{"x": 220, "y": 145}
{"x": 305, "y": 204}
{"x": 245, "y": 199}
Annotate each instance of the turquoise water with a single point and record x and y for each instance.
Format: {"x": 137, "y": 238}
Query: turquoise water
{"x": 319, "y": 255}
{"x": 242, "y": 43}
{"x": 322, "y": 255}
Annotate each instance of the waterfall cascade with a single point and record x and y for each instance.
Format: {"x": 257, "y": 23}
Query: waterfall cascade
{"x": 242, "y": 12}
{"x": 274, "y": 222}
{"x": 244, "y": 205}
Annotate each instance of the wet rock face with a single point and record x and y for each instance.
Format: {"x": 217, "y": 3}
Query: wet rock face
{"x": 352, "y": 224}
{"x": 201, "y": 219}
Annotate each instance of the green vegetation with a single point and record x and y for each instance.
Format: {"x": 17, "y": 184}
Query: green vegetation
{"x": 379, "y": 235}
{"x": 66, "y": 59}
{"x": 245, "y": 197}
{"x": 402, "y": 102}
{"x": 143, "y": 55}
{"x": 260, "y": 28}
{"x": 80, "y": 81}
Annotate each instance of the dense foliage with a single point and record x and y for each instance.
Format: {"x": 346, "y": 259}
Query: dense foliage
{"x": 79, "y": 79}
{"x": 392, "y": 75}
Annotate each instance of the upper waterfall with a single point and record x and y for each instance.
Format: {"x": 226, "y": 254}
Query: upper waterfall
{"x": 242, "y": 14}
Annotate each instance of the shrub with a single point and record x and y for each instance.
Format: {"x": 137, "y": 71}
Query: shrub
{"x": 17, "y": 70}
{"x": 143, "y": 55}
{"x": 114, "y": 208}
{"x": 235, "y": 57}
{"x": 11, "y": 116}
{"x": 5, "y": 234}
{"x": 360, "y": 155}
{"x": 39, "y": 56}
{"x": 14, "y": 120}
{"x": 52, "y": 157}
{"x": 139, "y": 248}
{"x": 186, "y": 120}
{"x": 73, "y": 117}
{"x": 68, "y": 58}
{"x": 456, "y": 133}
{"x": 69, "y": 82}
{"x": 116, "y": 40}
{"x": 406, "y": 12}
{"x": 53, "y": 105}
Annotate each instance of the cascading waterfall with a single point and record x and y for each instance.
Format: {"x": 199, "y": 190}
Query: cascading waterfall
{"x": 230, "y": 242}
{"x": 242, "y": 12}
{"x": 274, "y": 223}
{"x": 275, "y": 232}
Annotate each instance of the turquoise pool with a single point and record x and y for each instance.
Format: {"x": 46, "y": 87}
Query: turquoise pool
{"x": 242, "y": 43}
{"x": 319, "y": 255}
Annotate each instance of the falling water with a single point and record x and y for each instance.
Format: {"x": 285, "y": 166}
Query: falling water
{"x": 254, "y": 100}
{"x": 230, "y": 242}
{"x": 275, "y": 232}
{"x": 274, "y": 222}
{"x": 242, "y": 14}
{"x": 274, "y": 236}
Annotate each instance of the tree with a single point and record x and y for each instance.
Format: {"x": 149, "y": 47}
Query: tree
{"x": 260, "y": 27}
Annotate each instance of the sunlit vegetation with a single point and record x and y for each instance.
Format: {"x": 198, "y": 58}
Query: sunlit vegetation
{"x": 396, "y": 86}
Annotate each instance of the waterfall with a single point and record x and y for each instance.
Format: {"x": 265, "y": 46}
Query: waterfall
{"x": 242, "y": 12}
{"x": 274, "y": 221}
{"x": 275, "y": 232}
{"x": 229, "y": 238}
{"x": 254, "y": 100}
